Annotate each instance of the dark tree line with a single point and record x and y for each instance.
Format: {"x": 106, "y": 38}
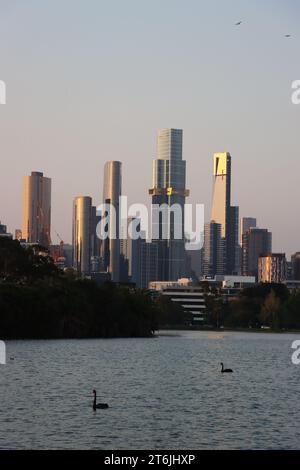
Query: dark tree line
{"x": 269, "y": 305}
{"x": 39, "y": 301}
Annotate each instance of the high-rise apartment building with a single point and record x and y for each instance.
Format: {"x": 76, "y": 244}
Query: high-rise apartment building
{"x": 272, "y": 268}
{"x": 112, "y": 190}
{"x": 213, "y": 250}
{"x": 246, "y": 224}
{"x": 256, "y": 242}
{"x": 295, "y": 261}
{"x": 168, "y": 188}
{"x": 149, "y": 263}
{"x": 96, "y": 259}
{"x": 130, "y": 253}
{"x": 36, "y": 223}
{"x": 95, "y": 241}
{"x": 233, "y": 246}
{"x": 82, "y": 230}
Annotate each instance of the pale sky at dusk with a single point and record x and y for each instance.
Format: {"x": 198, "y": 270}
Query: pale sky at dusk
{"x": 90, "y": 81}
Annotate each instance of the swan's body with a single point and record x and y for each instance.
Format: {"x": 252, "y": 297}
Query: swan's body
{"x": 98, "y": 406}
{"x": 225, "y": 370}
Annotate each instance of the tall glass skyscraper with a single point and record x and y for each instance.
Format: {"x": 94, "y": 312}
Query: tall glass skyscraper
{"x": 82, "y": 230}
{"x": 224, "y": 214}
{"x": 112, "y": 190}
{"x": 233, "y": 246}
{"x": 130, "y": 252}
{"x": 36, "y": 223}
{"x": 168, "y": 188}
{"x": 220, "y": 212}
{"x": 213, "y": 250}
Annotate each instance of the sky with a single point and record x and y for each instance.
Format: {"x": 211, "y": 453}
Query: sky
{"x": 90, "y": 81}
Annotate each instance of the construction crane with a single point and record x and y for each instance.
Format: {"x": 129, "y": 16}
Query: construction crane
{"x": 61, "y": 245}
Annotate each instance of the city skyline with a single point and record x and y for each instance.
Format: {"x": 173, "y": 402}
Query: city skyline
{"x": 158, "y": 173}
{"x": 149, "y": 236}
{"x": 122, "y": 260}
{"x": 231, "y": 92}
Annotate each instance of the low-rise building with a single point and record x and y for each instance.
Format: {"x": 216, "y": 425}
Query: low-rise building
{"x": 292, "y": 285}
{"x": 188, "y": 295}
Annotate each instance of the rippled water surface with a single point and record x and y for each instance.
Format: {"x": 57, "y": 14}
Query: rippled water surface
{"x": 164, "y": 393}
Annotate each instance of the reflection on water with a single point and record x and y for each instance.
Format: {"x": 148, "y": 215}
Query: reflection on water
{"x": 164, "y": 393}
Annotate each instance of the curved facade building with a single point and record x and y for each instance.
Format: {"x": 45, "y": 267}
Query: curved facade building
{"x": 36, "y": 223}
{"x": 112, "y": 190}
{"x": 82, "y": 227}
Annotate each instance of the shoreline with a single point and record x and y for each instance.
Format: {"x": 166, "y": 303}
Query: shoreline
{"x": 160, "y": 332}
{"x": 219, "y": 330}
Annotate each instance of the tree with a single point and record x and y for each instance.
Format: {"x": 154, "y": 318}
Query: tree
{"x": 270, "y": 310}
{"x": 19, "y": 264}
{"x": 215, "y": 310}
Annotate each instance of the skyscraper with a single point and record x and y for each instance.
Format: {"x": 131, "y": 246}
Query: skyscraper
{"x": 295, "y": 260}
{"x": 196, "y": 263}
{"x": 256, "y": 242}
{"x": 224, "y": 214}
{"x": 149, "y": 263}
{"x": 220, "y": 212}
{"x": 111, "y": 193}
{"x": 82, "y": 229}
{"x": 233, "y": 247}
{"x": 96, "y": 260}
{"x": 36, "y": 223}
{"x": 246, "y": 224}
{"x": 130, "y": 253}
{"x": 168, "y": 188}
{"x": 213, "y": 251}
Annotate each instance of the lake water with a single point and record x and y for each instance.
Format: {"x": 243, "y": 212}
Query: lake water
{"x": 164, "y": 393}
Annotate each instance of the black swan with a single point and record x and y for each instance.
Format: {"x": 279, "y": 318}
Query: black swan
{"x": 97, "y": 406}
{"x": 225, "y": 370}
